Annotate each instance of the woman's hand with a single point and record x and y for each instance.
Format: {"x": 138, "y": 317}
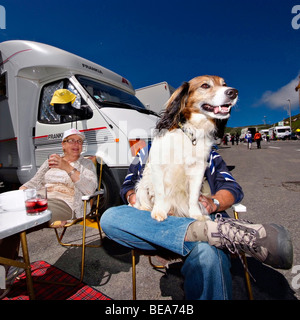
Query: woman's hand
{"x": 55, "y": 161}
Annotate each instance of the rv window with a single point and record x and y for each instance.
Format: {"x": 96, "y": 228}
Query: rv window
{"x": 283, "y": 130}
{"x": 3, "y": 87}
{"x": 102, "y": 93}
{"x": 47, "y": 112}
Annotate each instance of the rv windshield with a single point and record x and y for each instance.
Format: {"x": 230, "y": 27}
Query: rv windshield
{"x": 283, "y": 130}
{"x": 108, "y": 96}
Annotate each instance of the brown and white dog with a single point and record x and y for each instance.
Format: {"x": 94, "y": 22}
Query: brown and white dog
{"x": 174, "y": 171}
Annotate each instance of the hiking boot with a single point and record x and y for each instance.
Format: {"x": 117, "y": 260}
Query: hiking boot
{"x": 269, "y": 243}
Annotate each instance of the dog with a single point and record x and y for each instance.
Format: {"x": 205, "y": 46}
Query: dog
{"x": 174, "y": 171}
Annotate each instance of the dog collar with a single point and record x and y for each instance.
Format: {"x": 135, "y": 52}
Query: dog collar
{"x": 189, "y": 134}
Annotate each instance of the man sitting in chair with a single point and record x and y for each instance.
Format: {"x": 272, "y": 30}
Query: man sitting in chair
{"x": 203, "y": 245}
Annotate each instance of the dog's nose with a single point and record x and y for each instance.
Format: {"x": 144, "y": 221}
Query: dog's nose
{"x": 231, "y": 93}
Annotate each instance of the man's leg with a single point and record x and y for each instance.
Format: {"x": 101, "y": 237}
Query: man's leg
{"x": 206, "y": 272}
{"x": 137, "y": 230}
{"x": 268, "y": 243}
{"x": 206, "y": 268}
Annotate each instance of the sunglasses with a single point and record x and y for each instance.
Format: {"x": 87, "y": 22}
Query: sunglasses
{"x": 73, "y": 141}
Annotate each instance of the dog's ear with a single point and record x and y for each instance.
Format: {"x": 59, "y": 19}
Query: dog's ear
{"x": 172, "y": 115}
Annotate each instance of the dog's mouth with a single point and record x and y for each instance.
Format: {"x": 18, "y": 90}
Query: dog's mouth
{"x": 224, "y": 109}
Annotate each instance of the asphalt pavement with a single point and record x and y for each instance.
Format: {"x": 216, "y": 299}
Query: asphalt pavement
{"x": 270, "y": 178}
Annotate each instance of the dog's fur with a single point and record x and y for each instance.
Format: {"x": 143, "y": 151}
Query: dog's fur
{"x": 174, "y": 171}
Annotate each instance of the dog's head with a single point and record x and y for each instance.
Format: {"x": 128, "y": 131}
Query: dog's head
{"x": 208, "y": 95}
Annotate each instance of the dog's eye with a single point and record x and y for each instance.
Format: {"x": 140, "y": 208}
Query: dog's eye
{"x": 205, "y": 86}
{"x": 224, "y": 85}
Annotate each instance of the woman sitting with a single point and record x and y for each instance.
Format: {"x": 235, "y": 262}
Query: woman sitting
{"x": 67, "y": 178}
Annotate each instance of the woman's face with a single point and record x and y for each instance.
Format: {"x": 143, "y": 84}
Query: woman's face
{"x": 72, "y": 145}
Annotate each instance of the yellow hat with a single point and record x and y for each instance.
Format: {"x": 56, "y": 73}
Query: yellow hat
{"x": 62, "y": 96}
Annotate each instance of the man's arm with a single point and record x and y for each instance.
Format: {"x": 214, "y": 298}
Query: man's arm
{"x": 224, "y": 187}
{"x": 127, "y": 191}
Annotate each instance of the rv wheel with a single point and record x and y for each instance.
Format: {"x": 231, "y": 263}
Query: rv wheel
{"x": 111, "y": 195}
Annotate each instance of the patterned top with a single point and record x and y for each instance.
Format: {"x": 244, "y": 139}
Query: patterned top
{"x": 60, "y": 185}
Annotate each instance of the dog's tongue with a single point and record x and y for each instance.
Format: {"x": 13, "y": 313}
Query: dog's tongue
{"x": 220, "y": 109}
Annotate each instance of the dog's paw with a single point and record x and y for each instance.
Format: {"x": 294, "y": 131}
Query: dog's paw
{"x": 158, "y": 215}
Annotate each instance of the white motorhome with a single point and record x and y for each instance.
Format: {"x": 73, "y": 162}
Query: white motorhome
{"x": 115, "y": 123}
{"x": 154, "y": 97}
{"x": 280, "y": 132}
{"x": 264, "y": 133}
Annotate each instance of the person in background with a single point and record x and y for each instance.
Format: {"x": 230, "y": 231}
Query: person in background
{"x": 237, "y": 137}
{"x": 257, "y": 139}
{"x": 248, "y": 137}
{"x": 232, "y": 138}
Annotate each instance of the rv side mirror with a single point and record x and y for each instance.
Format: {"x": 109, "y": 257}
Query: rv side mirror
{"x": 64, "y": 109}
{"x": 84, "y": 112}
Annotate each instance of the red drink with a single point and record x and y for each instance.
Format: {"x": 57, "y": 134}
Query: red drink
{"x": 36, "y": 206}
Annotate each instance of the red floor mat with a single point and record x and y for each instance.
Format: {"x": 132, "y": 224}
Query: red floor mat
{"x": 42, "y": 270}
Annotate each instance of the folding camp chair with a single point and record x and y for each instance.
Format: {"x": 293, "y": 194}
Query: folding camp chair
{"x": 94, "y": 214}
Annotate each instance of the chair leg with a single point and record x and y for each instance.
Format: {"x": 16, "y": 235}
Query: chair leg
{"x": 133, "y": 275}
{"x": 154, "y": 265}
{"x": 99, "y": 229}
{"x": 27, "y": 265}
{"x": 247, "y": 276}
{"x": 83, "y": 242}
{"x": 59, "y": 237}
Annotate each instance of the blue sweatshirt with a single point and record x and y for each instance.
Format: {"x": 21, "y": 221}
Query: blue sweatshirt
{"x": 217, "y": 175}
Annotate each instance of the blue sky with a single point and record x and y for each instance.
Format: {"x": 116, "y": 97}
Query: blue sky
{"x": 252, "y": 44}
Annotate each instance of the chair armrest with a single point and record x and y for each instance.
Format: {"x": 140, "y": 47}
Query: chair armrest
{"x": 238, "y": 207}
{"x": 90, "y": 196}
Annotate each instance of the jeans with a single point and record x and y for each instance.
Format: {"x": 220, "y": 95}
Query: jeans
{"x": 206, "y": 269}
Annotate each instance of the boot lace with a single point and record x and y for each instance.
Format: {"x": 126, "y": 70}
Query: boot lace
{"x": 236, "y": 237}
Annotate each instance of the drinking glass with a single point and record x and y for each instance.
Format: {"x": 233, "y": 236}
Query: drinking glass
{"x": 36, "y": 201}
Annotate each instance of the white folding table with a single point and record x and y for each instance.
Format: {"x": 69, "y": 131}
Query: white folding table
{"x": 18, "y": 222}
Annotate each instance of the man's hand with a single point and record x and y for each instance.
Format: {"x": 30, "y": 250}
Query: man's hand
{"x": 208, "y": 204}
{"x": 131, "y": 197}
{"x": 225, "y": 198}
